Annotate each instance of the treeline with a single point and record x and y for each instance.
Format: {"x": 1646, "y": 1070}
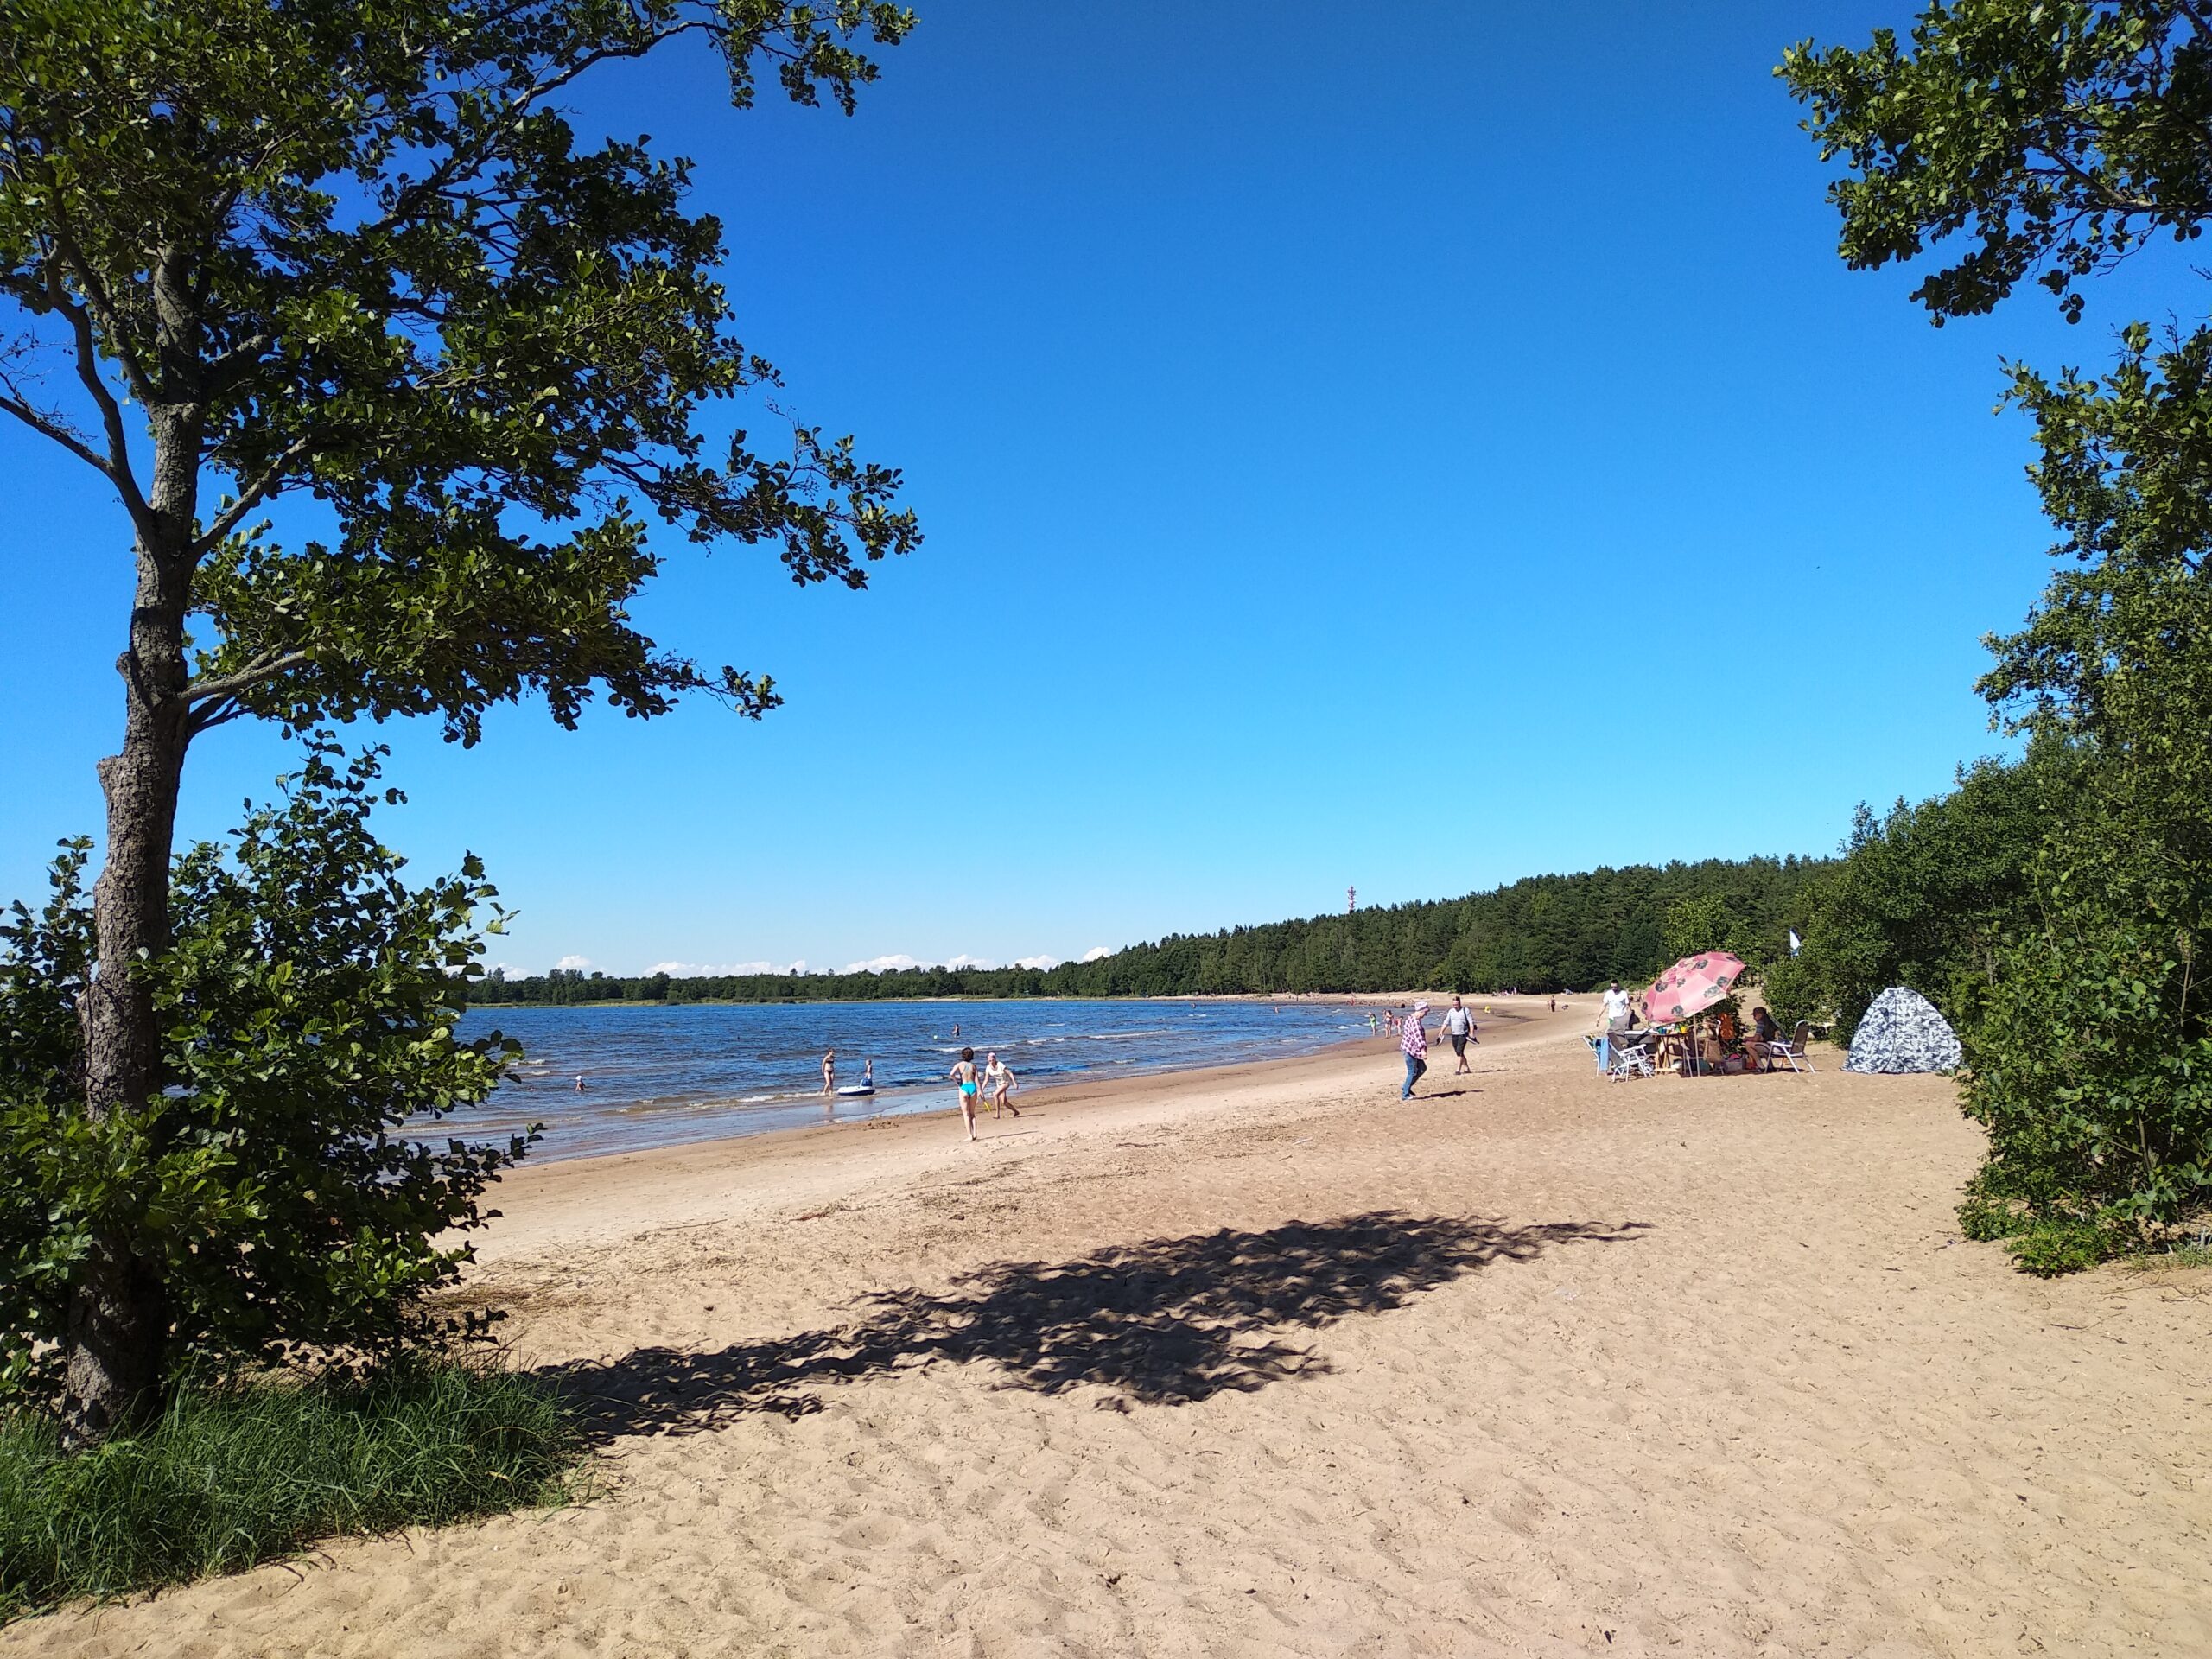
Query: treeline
{"x": 1542, "y": 933}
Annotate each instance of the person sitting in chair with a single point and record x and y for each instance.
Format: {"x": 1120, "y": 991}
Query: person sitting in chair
{"x": 1764, "y": 1028}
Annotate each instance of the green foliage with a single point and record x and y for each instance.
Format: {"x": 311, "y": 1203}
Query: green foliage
{"x": 1929, "y": 895}
{"x": 353, "y": 249}
{"x": 1792, "y": 989}
{"x": 228, "y": 1477}
{"x": 2053, "y": 1249}
{"x": 1544, "y": 933}
{"x": 308, "y": 1007}
{"x": 2055, "y": 137}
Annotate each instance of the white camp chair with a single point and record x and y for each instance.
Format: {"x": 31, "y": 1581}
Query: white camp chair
{"x": 1791, "y": 1053}
{"x": 1633, "y": 1061}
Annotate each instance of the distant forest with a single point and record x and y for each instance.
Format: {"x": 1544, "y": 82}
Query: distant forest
{"x": 1542, "y": 933}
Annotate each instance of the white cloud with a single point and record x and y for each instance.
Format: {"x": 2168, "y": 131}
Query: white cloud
{"x": 1095, "y": 953}
{"x": 1041, "y": 963}
{"x": 719, "y": 969}
{"x": 577, "y": 964}
{"x": 880, "y": 964}
{"x": 966, "y": 961}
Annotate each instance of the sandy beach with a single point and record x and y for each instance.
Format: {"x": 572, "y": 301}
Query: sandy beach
{"x": 1260, "y": 1362}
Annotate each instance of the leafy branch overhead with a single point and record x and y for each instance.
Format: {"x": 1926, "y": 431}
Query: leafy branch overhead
{"x": 356, "y": 251}
{"x": 2055, "y": 137}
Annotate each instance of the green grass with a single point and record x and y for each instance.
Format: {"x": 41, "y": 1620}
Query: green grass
{"x": 234, "y": 1475}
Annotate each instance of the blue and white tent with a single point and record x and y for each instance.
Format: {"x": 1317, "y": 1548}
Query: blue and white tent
{"x": 1902, "y": 1032}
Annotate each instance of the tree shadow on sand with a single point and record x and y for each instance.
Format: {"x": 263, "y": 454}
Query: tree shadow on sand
{"x": 1165, "y": 1322}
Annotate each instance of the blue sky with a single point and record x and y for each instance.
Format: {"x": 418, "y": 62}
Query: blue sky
{"x": 1417, "y": 451}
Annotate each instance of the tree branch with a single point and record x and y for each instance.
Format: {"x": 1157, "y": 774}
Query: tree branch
{"x": 262, "y": 488}
{"x": 267, "y": 666}
{"x": 13, "y": 402}
{"x": 119, "y": 468}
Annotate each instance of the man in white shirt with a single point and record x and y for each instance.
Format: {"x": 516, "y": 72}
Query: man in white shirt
{"x": 1615, "y": 1007}
{"x": 1460, "y": 1026}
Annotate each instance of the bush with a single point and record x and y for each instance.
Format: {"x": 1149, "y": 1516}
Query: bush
{"x": 2092, "y": 1071}
{"x": 231, "y": 1476}
{"x": 2054, "y": 1247}
{"x": 281, "y": 1192}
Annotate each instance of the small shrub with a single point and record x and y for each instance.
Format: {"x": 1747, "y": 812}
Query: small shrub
{"x": 1984, "y": 1218}
{"x": 2052, "y": 1248}
{"x": 232, "y": 1476}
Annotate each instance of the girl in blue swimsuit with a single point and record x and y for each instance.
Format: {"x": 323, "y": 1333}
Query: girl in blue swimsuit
{"x": 963, "y": 1073}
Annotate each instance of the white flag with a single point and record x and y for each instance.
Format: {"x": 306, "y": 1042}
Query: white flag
{"x": 1794, "y": 941}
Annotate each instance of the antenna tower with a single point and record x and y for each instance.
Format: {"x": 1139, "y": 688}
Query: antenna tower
{"x": 1351, "y": 900}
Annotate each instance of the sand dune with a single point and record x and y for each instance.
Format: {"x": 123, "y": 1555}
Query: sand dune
{"x": 1266, "y": 1363}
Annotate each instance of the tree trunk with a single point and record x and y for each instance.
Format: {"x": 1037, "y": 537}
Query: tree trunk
{"x": 116, "y": 1332}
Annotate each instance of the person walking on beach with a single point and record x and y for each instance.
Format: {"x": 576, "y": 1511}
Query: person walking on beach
{"x": 1414, "y": 1045}
{"x": 1615, "y": 1011}
{"x": 829, "y": 1072}
{"x": 963, "y": 1073}
{"x": 1460, "y": 1026}
{"x": 998, "y": 1077}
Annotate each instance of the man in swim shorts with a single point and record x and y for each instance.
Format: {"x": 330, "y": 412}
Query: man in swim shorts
{"x": 1460, "y": 1026}
{"x": 963, "y": 1073}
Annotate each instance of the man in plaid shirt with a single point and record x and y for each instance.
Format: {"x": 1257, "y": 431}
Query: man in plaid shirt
{"x": 1414, "y": 1042}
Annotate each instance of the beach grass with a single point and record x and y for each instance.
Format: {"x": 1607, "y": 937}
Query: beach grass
{"x": 231, "y": 1476}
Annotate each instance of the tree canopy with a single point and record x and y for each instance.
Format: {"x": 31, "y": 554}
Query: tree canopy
{"x": 355, "y": 253}
{"x": 2020, "y": 139}
{"x": 1542, "y": 933}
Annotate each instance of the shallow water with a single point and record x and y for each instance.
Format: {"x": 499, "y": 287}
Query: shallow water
{"x": 654, "y": 1076}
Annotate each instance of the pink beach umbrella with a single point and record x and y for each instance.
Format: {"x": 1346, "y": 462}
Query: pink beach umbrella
{"x": 1691, "y": 986}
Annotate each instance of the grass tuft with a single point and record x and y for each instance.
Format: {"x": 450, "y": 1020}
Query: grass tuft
{"x": 232, "y": 1476}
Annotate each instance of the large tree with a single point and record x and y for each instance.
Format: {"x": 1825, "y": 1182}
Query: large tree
{"x": 353, "y": 250}
{"x": 2047, "y": 141}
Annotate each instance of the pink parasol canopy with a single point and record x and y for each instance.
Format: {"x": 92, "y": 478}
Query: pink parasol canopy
{"x": 1692, "y": 985}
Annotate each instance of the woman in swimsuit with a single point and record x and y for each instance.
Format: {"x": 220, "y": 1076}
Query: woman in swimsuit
{"x": 963, "y": 1073}
{"x": 998, "y": 1077}
{"x": 829, "y": 1072}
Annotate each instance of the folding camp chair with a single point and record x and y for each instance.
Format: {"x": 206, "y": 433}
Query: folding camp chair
{"x": 1791, "y": 1053}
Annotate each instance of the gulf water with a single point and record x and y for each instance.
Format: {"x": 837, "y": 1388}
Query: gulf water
{"x": 655, "y": 1076}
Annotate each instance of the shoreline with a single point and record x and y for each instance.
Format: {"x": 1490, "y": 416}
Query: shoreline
{"x": 604, "y": 1196}
{"x": 903, "y": 1100}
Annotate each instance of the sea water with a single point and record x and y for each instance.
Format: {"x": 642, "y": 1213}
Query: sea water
{"x": 654, "y": 1076}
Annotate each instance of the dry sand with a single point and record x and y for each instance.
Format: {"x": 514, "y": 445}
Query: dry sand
{"x": 1261, "y": 1363}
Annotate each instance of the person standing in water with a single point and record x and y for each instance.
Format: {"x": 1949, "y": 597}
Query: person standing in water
{"x": 1460, "y": 1026}
{"x": 998, "y": 1077}
{"x": 1414, "y": 1043}
{"x": 829, "y": 1072}
{"x": 963, "y": 1073}
{"x": 868, "y": 1076}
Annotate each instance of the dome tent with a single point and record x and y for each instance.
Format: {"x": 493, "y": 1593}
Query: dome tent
{"x": 1901, "y": 1030}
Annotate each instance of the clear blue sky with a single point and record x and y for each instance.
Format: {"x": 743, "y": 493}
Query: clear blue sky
{"x": 1418, "y": 448}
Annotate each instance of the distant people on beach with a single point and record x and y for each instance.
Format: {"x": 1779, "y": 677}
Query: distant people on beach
{"x": 963, "y": 1073}
{"x": 1413, "y": 1043}
{"x": 1460, "y": 1026}
{"x": 998, "y": 1077}
{"x": 829, "y": 1072}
